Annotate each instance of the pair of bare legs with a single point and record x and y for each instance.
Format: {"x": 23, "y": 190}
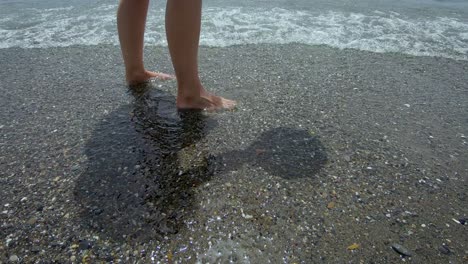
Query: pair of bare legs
{"x": 183, "y": 22}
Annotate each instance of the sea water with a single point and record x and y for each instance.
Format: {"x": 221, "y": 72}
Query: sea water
{"x": 416, "y": 27}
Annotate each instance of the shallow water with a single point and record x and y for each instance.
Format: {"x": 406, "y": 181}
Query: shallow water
{"x": 421, "y": 28}
{"x": 327, "y": 148}
{"x": 351, "y": 129}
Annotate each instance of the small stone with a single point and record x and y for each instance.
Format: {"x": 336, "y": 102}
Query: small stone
{"x": 40, "y": 208}
{"x": 74, "y": 246}
{"x": 463, "y": 221}
{"x": 32, "y": 221}
{"x": 354, "y": 246}
{"x": 246, "y": 216}
{"x": 73, "y": 258}
{"x": 402, "y": 250}
{"x": 24, "y": 199}
{"x": 331, "y": 205}
{"x": 444, "y": 250}
{"x": 14, "y": 258}
{"x": 407, "y": 105}
{"x": 260, "y": 151}
{"x": 35, "y": 249}
{"x": 423, "y": 225}
{"x": 84, "y": 244}
{"x": 55, "y": 244}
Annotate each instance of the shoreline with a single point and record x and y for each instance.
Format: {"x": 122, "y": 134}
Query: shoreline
{"x": 149, "y": 47}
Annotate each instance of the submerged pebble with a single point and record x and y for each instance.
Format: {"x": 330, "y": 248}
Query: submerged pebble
{"x": 353, "y": 246}
{"x": 444, "y": 250}
{"x": 401, "y": 250}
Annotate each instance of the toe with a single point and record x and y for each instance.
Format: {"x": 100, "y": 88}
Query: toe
{"x": 160, "y": 75}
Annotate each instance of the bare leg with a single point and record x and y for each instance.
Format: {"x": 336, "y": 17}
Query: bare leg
{"x": 131, "y": 19}
{"x": 183, "y": 22}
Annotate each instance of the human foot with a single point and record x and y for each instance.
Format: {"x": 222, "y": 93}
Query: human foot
{"x": 140, "y": 77}
{"x": 205, "y": 101}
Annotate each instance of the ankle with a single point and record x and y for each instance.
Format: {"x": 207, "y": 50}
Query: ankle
{"x": 190, "y": 91}
{"x": 187, "y": 98}
{"x": 136, "y": 77}
{"x": 137, "y": 71}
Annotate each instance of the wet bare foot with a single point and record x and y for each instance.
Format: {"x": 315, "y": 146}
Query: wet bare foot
{"x": 141, "y": 77}
{"x": 206, "y": 101}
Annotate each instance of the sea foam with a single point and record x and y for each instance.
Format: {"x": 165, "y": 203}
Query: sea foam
{"x": 377, "y": 32}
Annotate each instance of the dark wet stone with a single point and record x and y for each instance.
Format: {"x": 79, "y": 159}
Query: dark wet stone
{"x": 35, "y": 249}
{"x": 84, "y": 244}
{"x": 402, "y": 250}
{"x": 444, "y": 250}
{"x": 98, "y": 211}
{"x": 463, "y": 221}
{"x": 40, "y": 207}
{"x": 55, "y": 244}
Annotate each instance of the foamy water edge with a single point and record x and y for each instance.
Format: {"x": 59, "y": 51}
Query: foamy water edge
{"x": 222, "y": 27}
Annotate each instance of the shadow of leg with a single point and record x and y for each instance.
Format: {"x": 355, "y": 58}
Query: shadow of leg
{"x": 143, "y": 163}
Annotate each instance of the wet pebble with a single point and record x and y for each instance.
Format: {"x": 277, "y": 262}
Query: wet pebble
{"x": 32, "y": 220}
{"x": 35, "y": 249}
{"x": 57, "y": 244}
{"x": 444, "y": 250}
{"x": 39, "y": 207}
{"x": 14, "y": 258}
{"x": 401, "y": 250}
{"x": 84, "y": 244}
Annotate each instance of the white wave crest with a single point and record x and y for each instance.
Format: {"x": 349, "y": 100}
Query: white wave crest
{"x": 377, "y": 32}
